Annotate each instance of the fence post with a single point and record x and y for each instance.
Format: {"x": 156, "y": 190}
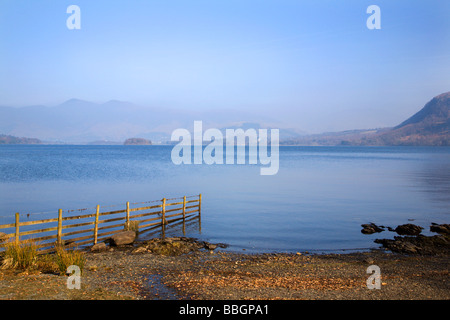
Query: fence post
{"x": 163, "y": 209}
{"x": 200, "y": 213}
{"x": 127, "y": 223}
{"x": 17, "y": 228}
{"x": 184, "y": 207}
{"x": 58, "y": 239}
{"x": 199, "y": 205}
{"x": 96, "y": 224}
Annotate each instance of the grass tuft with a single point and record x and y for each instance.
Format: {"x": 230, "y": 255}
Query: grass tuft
{"x": 20, "y": 255}
{"x": 66, "y": 258}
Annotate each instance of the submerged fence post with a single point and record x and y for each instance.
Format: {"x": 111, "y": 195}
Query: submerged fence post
{"x": 199, "y": 205}
{"x": 184, "y": 207}
{"x": 163, "y": 218}
{"x": 58, "y": 238}
{"x": 200, "y": 213}
{"x": 17, "y": 228}
{"x": 96, "y": 224}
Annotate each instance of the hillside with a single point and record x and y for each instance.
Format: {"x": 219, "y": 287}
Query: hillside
{"x": 6, "y": 139}
{"x": 430, "y": 126}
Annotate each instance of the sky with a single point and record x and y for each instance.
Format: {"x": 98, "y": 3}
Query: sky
{"x": 313, "y": 65}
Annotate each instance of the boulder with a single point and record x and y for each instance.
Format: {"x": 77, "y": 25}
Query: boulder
{"x": 420, "y": 244}
{"x": 371, "y": 228}
{"x": 101, "y": 246}
{"x": 123, "y": 238}
{"x": 408, "y": 229}
{"x": 439, "y": 228}
{"x": 209, "y": 246}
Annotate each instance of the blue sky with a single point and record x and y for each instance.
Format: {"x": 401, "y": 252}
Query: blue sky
{"x": 309, "y": 64}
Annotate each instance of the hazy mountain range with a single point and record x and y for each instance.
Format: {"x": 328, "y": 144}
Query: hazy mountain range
{"x": 78, "y": 121}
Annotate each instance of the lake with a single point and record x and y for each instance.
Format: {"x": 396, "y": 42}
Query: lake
{"x": 316, "y": 202}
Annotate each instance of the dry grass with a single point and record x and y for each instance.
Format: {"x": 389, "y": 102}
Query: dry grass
{"x": 66, "y": 258}
{"x": 22, "y": 255}
{"x": 131, "y": 226}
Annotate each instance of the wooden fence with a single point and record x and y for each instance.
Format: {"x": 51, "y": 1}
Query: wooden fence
{"x": 97, "y": 229}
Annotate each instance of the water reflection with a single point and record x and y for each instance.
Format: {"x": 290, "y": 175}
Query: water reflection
{"x": 190, "y": 227}
{"x": 434, "y": 180}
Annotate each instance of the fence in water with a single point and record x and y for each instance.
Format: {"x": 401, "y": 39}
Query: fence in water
{"x": 88, "y": 229}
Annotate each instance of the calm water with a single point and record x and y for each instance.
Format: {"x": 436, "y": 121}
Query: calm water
{"x": 316, "y": 202}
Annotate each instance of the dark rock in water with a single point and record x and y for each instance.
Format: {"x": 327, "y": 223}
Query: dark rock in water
{"x": 417, "y": 244}
{"x": 371, "y": 228}
{"x": 398, "y": 245}
{"x": 408, "y": 229}
{"x": 440, "y": 228}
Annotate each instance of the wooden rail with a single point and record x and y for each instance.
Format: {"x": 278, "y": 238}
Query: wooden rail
{"x": 96, "y": 227}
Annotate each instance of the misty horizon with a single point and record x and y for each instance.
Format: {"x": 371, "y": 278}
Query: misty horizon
{"x": 262, "y": 120}
{"x": 311, "y": 65}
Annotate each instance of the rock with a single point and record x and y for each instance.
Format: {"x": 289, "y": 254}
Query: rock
{"x": 420, "y": 244}
{"x": 123, "y": 238}
{"x": 399, "y": 244}
{"x": 210, "y": 246}
{"x": 371, "y": 228}
{"x": 408, "y": 247}
{"x": 408, "y": 229}
{"x": 139, "y": 250}
{"x": 439, "y": 228}
{"x": 178, "y": 245}
{"x": 99, "y": 247}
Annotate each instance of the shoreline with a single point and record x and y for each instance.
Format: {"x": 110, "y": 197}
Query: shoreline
{"x": 126, "y": 273}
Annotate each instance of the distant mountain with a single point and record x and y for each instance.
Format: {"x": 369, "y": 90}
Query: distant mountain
{"x": 79, "y": 121}
{"x": 5, "y": 139}
{"x": 428, "y": 127}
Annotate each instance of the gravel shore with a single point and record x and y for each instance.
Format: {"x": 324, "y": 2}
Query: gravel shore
{"x": 201, "y": 274}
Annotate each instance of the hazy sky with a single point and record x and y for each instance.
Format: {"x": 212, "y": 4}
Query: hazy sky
{"x": 311, "y": 64}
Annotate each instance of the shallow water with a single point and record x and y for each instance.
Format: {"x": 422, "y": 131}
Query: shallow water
{"x": 316, "y": 202}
